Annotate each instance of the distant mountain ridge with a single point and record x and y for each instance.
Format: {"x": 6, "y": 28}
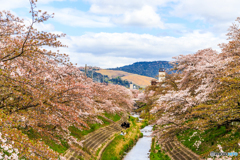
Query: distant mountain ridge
{"x": 149, "y": 69}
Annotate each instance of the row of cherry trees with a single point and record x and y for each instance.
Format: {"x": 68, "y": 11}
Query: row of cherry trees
{"x": 204, "y": 92}
{"x": 39, "y": 87}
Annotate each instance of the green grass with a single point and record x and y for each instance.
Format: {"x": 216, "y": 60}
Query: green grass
{"x": 34, "y": 135}
{"x": 60, "y": 148}
{"x": 77, "y": 133}
{"x": 133, "y": 120}
{"x": 154, "y": 127}
{"x": 210, "y": 138}
{"x": 98, "y": 151}
{"x": 114, "y": 117}
{"x": 145, "y": 123}
{"x": 157, "y": 153}
{"x": 108, "y": 152}
{"x": 120, "y": 144}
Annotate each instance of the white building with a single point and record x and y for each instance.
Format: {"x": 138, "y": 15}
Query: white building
{"x": 161, "y": 75}
{"x": 133, "y": 86}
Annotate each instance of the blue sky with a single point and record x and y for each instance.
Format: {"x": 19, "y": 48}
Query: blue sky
{"x": 110, "y": 33}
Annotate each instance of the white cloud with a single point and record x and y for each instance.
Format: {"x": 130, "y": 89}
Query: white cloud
{"x": 101, "y": 61}
{"x": 218, "y": 13}
{"x": 13, "y": 4}
{"x": 141, "y": 13}
{"x": 145, "y": 17}
{"x": 47, "y": 27}
{"x": 47, "y": 1}
{"x": 211, "y": 11}
{"x": 113, "y": 49}
{"x": 76, "y": 18}
{"x": 44, "y": 27}
{"x": 120, "y": 7}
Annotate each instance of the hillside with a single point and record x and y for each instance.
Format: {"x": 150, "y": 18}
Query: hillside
{"x": 149, "y": 69}
{"x": 140, "y": 73}
{"x": 135, "y": 78}
{"x": 113, "y": 73}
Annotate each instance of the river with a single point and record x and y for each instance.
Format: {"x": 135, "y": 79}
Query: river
{"x": 141, "y": 150}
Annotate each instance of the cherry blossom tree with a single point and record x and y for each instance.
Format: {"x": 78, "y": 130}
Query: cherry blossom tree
{"x": 204, "y": 93}
{"x": 223, "y": 108}
{"x": 39, "y": 87}
{"x": 200, "y": 75}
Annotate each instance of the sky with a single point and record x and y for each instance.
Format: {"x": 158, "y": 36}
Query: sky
{"x": 112, "y": 33}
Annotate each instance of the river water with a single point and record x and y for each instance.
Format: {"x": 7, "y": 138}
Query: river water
{"x": 141, "y": 150}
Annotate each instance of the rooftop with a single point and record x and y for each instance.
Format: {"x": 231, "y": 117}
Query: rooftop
{"x": 161, "y": 70}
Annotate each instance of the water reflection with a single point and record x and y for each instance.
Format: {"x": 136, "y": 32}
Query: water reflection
{"x": 141, "y": 150}
{"x": 136, "y": 115}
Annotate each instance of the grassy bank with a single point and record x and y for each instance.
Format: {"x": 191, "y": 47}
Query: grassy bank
{"x": 115, "y": 150}
{"x": 144, "y": 123}
{"x": 75, "y": 132}
{"x": 156, "y": 153}
{"x": 114, "y": 117}
{"x": 203, "y": 142}
{"x": 57, "y": 142}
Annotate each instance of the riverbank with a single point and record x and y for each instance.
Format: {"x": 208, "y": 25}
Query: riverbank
{"x": 123, "y": 143}
{"x": 157, "y": 153}
{"x": 141, "y": 150}
{"x": 145, "y": 144}
{"x": 95, "y": 141}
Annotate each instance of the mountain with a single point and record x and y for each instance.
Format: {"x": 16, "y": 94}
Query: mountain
{"x": 139, "y": 73}
{"x": 149, "y": 69}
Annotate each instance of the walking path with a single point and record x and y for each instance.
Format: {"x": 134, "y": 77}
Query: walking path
{"x": 93, "y": 141}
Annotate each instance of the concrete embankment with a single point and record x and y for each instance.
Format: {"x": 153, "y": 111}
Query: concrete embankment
{"x": 95, "y": 142}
